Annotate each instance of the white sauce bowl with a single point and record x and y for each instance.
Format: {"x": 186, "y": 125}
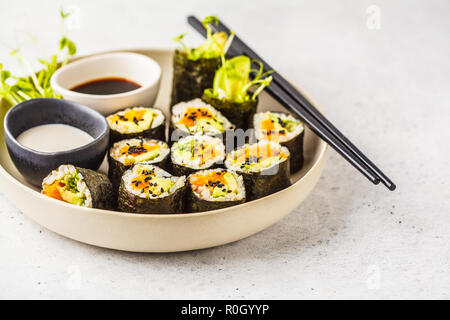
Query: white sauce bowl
{"x": 132, "y": 66}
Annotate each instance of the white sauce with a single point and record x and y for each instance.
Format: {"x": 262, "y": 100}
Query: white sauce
{"x": 54, "y": 138}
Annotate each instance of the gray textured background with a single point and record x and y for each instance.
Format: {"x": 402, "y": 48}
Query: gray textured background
{"x": 388, "y": 89}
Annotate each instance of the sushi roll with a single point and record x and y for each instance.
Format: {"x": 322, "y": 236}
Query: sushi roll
{"x": 80, "y": 187}
{"x": 264, "y": 166}
{"x": 124, "y": 153}
{"x": 197, "y": 117}
{"x": 194, "y": 68}
{"x": 146, "y": 188}
{"x": 284, "y": 129}
{"x": 194, "y": 153}
{"x": 137, "y": 122}
{"x": 214, "y": 189}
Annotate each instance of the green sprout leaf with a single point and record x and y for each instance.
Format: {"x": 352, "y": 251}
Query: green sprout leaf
{"x": 17, "y": 89}
{"x": 232, "y": 80}
{"x": 212, "y": 47}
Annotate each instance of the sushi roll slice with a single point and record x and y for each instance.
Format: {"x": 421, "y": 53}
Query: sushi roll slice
{"x": 146, "y": 188}
{"x": 198, "y": 152}
{"x": 264, "y": 166}
{"x": 137, "y": 122}
{"x": 80, "y": 187}
{"x": 194, "y": 68}
{"x": 197, "y": 117}
{"x": 124, "y": 153}
{"x": 284, "y": 129}
{"x": 214, "y": 189}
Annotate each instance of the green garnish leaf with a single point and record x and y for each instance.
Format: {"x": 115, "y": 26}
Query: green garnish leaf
{"x": 35, "y": 86}
{"x": 214, "y": 45}
{"x": 232, "y": 80}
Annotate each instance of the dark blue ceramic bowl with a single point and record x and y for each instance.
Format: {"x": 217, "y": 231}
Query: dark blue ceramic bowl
{"x": 36, "y": 165}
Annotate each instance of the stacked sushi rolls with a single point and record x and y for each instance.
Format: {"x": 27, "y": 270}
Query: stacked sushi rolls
{"x": 214, "y": 189}
{"x": 197, "y": 152}
{"x": 80, "y": 187}
{"x": 149, "y": 189}
{"x": 125, "y": 153}
{"x": 282, "y": 128}
{"x": 197, "y": 117}
{"x": 137, "y": 122}
{"x": 264, "y": 166}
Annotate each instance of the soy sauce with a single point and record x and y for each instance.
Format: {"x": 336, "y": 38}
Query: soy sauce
{"x": 106, "y": 86}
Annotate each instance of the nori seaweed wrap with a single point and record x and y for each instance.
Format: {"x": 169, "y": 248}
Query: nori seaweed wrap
{"x": 79, "y": 186}
{"x": 196, "y": 117}
{"x": 149, "y": 189}
{"x": 214, "y": 189}
{"x": 282, "y": 128}
{"x": 197, "y": 152}
{"x": 239, "y": 113}
{"x": 137, "y": 122}
{"x": 264, "y": 166}
{"x": 191, "y": 77}
{"x": 125, "y": 153}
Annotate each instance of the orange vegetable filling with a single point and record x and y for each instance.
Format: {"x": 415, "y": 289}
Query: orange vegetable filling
{"x": 256, "y": 152}
{"x": 210, "y": 180}
{"x": 52, "y": 191}
{"x": 193, "y": 114}
{"x": 203, "y": 179}
{"x": 130, "y": 115}
{"x": 268, "y": 129}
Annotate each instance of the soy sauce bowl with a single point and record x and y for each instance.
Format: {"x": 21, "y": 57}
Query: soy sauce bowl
{"x": 35, "y": 165}
{"x": 134, "y": 67}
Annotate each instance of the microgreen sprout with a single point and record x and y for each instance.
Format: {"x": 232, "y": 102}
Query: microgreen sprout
{"x": 15, "y": 89}
{"x": 232, "y": 80}
{"x": 212, "y": 47}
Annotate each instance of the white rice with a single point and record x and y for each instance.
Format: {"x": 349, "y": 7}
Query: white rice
{"x": 135, "y": 172}
{"x": 179, "y": 110}
{"x": 219, "y": 152}
{"x": 261, "y": 116}
{"x": 157, "y": 120}
{"x": 231, "y": 164}
{"x": 68, "y": 169}
{"x": 127, "y": 159}
{"x": 204, "y": 193}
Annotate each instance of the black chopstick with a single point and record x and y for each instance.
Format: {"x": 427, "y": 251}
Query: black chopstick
{"x": 317, "y": 122}
{"x": 286, "y": 86}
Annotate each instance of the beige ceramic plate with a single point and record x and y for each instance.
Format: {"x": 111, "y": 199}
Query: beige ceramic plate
{"x": 163, "y": 233}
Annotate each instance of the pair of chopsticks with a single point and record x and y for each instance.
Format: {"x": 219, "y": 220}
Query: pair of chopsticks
{"x": 288, "y": 96}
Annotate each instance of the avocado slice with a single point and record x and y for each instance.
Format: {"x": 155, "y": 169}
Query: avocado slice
{"x": 147, "y": 156}
{"x": 218, "y": 192}
{"x": 268, "y": 162}
{"x": 230, "y": 181}
{"x": 69, "y": 196}
{"x": 147, "y": 120}
{"x": 166, "y": 184}
{"x": 210, "y": 122}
